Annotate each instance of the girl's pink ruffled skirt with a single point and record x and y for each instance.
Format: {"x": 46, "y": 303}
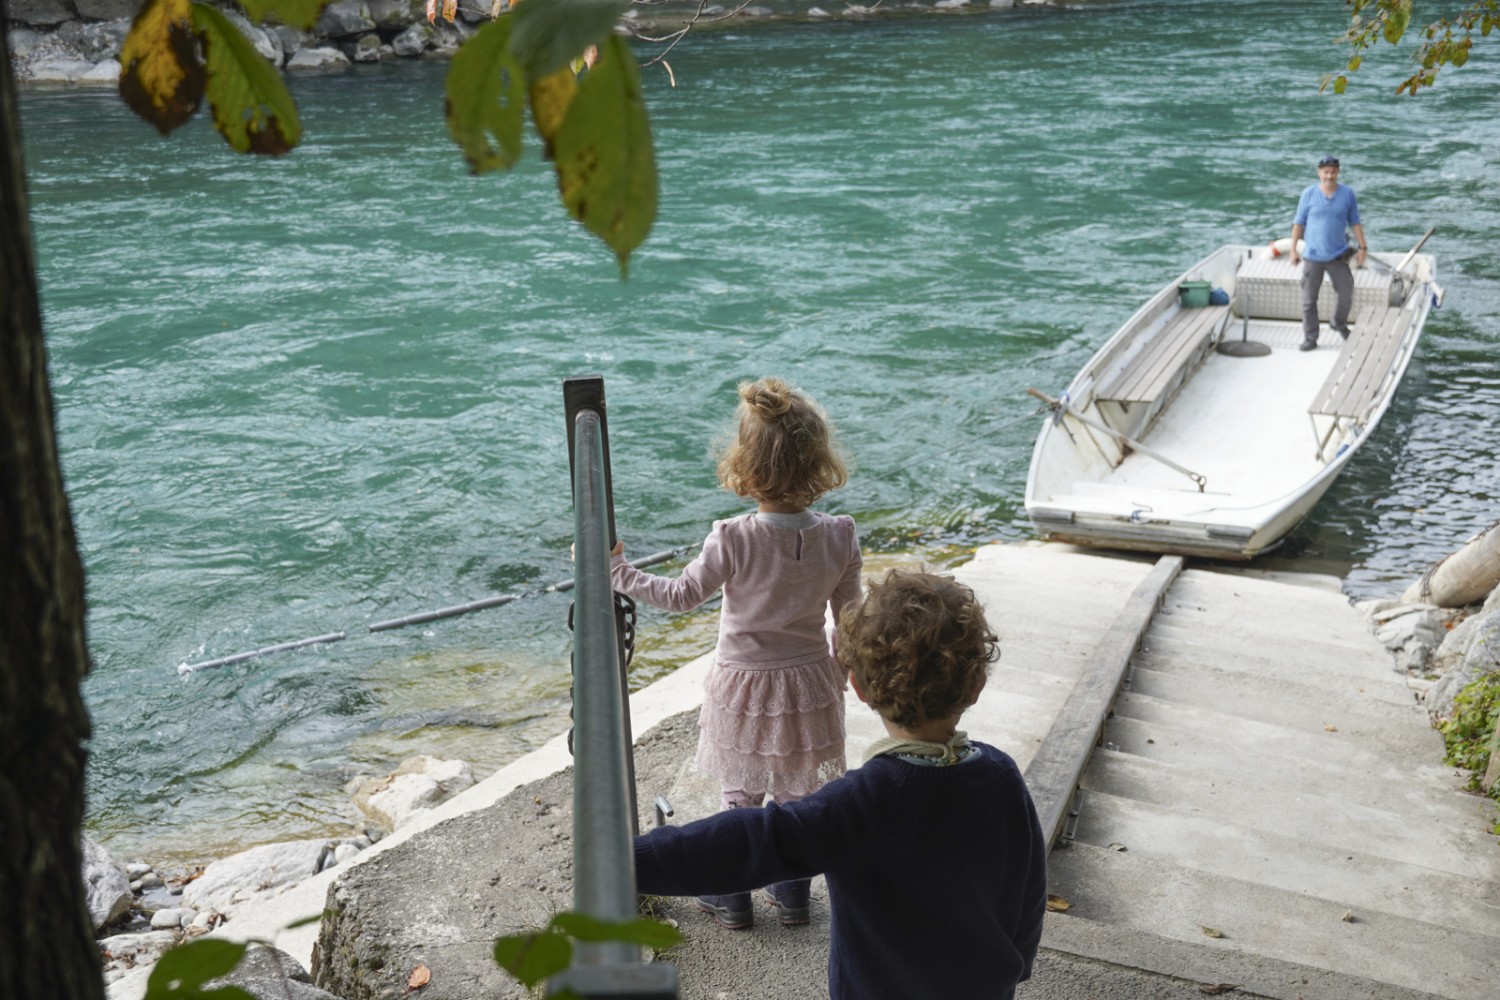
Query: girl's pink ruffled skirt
{"x": 776, "y": 730}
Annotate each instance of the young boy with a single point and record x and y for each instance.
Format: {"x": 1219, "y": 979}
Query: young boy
{"x": 935, "y": 862}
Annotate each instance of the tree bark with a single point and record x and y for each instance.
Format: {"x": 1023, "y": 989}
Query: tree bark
{"x": 47, "y": 946}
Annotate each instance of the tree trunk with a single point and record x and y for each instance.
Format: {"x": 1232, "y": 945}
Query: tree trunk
{"x": 1463, "y": 577}
{"x": 47, "y": 947}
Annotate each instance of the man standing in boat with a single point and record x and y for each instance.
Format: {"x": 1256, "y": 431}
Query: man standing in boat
{"x": 1327, "y": 212}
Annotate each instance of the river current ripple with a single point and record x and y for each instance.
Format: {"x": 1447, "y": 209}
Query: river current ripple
{"x": 303, "y": 395}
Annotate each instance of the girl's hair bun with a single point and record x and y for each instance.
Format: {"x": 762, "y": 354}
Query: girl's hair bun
{"x": 767, "y": 398}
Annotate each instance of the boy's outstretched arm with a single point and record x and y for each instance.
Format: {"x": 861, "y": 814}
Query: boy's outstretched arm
{"x": 731, "y": 851}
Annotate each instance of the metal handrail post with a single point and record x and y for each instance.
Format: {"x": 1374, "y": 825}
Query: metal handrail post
{"x": 586, "y": 394}
{"x": 603, "y": 800}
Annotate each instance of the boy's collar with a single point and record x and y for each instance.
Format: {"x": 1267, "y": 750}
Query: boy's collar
{"x": 941, "y": 753}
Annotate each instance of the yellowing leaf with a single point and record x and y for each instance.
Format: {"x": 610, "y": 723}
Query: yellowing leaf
{"x": 450, "y": 10}
{"x": 1212, "y": 932}
{"x": 1329, "y": 727}
{"x": 161, "y": 78}
{"x": 486, "y": 94}
{"x": 550, "y": 97}
{"x": 252, "y": 107}
{"x": 606, "y": 165}
{"x": 1056, "y": 904}
{"x": 420, "y": 977}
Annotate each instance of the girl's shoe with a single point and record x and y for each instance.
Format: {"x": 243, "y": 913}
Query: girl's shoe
{"x": 792, "y": 900}
{"x": 734, "y": 911}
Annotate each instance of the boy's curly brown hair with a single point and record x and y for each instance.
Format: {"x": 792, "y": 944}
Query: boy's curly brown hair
{"x": 918, "y": 646}
{"x": 783, "y": 450}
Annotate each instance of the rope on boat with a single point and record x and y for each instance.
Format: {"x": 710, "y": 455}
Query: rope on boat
{"x": 500, "y": 600}
{"x": 1060, "y": 406}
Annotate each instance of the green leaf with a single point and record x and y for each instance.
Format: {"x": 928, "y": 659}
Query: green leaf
{"x": 181, "y": 972}
{"x": 252, "y": 107}
{"x": 646, "y": 933}
{"x": 1340, "y": 83}
{"x": 1396, "y": 22}
{"x": 486, "y": 99}
{"x": 316, "y": 918}
{"x": 161, "y": 78}
{"x": 549, "y": 34}
{"x": 534, "y": 957}
{"x": 292, "y": 13}
{"x": 606, "y": 168}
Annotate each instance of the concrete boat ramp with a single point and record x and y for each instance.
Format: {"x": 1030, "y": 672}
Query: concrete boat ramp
{"x": 1246, "y": 793}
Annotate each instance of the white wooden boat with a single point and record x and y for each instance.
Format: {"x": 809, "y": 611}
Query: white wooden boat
{"x": 1166, "y": 443}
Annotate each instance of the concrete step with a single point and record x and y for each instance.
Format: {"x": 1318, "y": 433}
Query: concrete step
{"x": 1219, "y": 600}
{"x": 1362, "y": 882}
{"x": 1178, "y": 732}
{"x": 1176, "y": 903}
{"x": 1312, "y": 581}
{"x": 1445, "y": 833}
{"x": 1283, "y": 656}
{"x": 1384, "y": 711}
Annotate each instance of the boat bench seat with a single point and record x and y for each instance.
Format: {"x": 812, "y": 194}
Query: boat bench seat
{"x": 1358, "y": 375}
{"x": 1146, "y": 373}
{"x": 1272, "y": 289}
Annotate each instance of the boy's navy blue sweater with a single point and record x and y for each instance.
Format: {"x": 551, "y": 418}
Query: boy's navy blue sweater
{"x": 937, "y": 876}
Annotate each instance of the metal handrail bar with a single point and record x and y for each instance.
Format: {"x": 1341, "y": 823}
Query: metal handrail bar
{"x": 603, "y": 866}
{"x": 603, "y": 799}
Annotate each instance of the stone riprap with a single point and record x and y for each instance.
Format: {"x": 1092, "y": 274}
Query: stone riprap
{"x": 78, "y": 41}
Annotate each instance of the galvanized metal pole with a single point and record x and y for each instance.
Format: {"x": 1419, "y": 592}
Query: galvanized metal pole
{"x": 603, "y": 869}
{"x": 603, "y": 785}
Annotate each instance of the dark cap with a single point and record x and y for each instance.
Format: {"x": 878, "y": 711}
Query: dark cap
{"x": 1329, "y": 161}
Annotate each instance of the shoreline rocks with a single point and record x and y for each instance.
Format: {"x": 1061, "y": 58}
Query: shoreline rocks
{"x": 139, "y": 913}
{"x": 1445, "y": 648}
{"x": 77, "y": 42}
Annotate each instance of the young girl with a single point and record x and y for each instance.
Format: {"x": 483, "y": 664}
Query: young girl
{"x": 772, "y": 721}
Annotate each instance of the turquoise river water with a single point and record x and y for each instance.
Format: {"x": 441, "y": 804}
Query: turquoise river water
{"x": 303, "y": 395}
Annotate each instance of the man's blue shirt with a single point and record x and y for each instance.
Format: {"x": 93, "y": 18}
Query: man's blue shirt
{"x": 1325, "y": 221}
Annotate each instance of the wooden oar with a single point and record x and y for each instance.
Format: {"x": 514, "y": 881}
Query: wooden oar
{"x": 1056, "y": 404}
{"x": 1413, "y": 251}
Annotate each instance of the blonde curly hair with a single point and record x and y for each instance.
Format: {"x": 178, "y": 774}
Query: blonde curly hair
{"x": 783, "y": 450}
{"x": 918, "y": 646}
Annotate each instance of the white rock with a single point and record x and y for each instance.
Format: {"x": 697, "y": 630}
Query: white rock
{"x": 106, "y": 72}
{"x": 138, "y": 949}
{"x": 419, "y": 783}
{"x": 259, "y": 873}
{"x": 136, "y": 869}
{"x": 817, "y": 12}
{"x": 343, "y": 853}
{"x": 164, "y": 919}
{"x": 106, "y": 887}
{"x": 322, "y": 58}
{"x": 60, "y": 70}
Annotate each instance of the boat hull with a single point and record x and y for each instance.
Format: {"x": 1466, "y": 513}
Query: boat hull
{"x": 1165, "y": 442}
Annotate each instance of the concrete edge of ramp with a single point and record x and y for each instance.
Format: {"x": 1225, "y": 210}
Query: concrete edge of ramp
{"x": 1257, "y": 975}
{"x": 267, "y": 920}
